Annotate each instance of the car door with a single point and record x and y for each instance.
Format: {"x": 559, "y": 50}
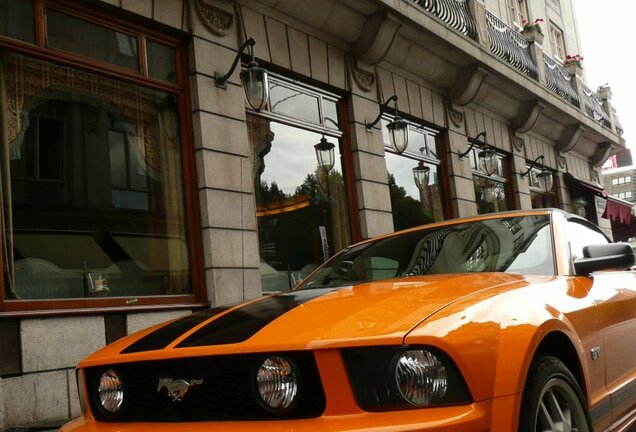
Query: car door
{"x": 614, "y": 296}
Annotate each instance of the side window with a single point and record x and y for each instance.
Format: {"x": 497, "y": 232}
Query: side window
{"x": 580, "y": 235}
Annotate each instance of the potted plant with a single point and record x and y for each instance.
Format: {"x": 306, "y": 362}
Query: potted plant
{"x": 573, "y": 64}
{"x": 532, "y": 30}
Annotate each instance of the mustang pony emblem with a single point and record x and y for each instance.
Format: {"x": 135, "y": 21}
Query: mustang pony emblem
{"x": 177, "y": 388}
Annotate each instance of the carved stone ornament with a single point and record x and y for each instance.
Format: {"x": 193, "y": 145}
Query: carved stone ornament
{"x": 517, "y": 143}
{"x": 594, "y": 175}
{"x": 218, "y": 21}
{"x": 561, "y": 161}
{"x": 365, "y": 79}
{"x": 456, "y": 117}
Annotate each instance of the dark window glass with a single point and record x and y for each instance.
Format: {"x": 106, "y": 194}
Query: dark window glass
{"x": 161, "y": 61}
{"x": 96, "y": 203}
{"x": 301, "y": 209}
{"x": 520, "y": 245}
{"x": 91, "y": 40}
{"x": 17, "y": 20}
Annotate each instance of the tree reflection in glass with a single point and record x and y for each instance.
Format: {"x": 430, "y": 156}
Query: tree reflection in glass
{"x": 301, "y": 209}
{"x": 410, "y": 205}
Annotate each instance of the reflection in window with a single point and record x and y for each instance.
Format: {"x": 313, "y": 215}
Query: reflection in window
{"x": 412, "y": 206}
{"x": 87, "y": 39}
{"x": 161, "y": 61}
{"x": 17, "y": 20}
{"x": 293, "y": 102}
{"x": 539, "y": 198}
{"x": 491, "y": 192}
{"x": 483, "y": 246}
{"x": 301, "y": 210}
{"x": 96, "y": 180}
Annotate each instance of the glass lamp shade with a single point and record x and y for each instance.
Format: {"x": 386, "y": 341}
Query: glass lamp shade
{"x": 488, "y": 190}
{"x": 420, "y": 175}
{"x": 488, "y": 161}
{"x": 256, "y": 86}
{"x": 325, "y": 154}
{"x": 398, "y": 134}
{"x": 545, "y": 180}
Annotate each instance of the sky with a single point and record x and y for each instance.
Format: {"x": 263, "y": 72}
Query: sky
{"x": 604, "y": 30}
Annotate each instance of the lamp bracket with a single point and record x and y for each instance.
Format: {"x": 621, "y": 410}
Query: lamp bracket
{"x": 221, "y": 81}
{"x": 533, "y": 164}
{"x": 382, "y": 108}
{"x": 473, "y": 141}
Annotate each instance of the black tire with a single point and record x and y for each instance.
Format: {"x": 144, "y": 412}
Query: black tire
{"x": 552, "y": 400}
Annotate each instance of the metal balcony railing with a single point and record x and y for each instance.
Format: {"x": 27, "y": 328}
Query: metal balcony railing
{"x": 454, "y": 13}
{"x": 594, "y": 107}
{"x": 508, "y": 44}
{"x": 560, "y": 82}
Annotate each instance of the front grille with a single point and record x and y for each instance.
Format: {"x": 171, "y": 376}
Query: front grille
{"x": 228, "y": 390}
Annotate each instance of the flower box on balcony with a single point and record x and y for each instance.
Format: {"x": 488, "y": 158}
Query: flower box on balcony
{"x": 533, "y": 35}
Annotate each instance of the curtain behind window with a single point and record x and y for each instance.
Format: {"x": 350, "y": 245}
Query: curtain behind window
{"x": 6, "y": 220}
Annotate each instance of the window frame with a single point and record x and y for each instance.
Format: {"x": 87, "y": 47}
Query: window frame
{"x": 342, "y": 135}
{"x": 517, "y": 11}
{"x": 557, "y": 42}
{"x": 180, "y": 90}
{"x": 418, "y": 126}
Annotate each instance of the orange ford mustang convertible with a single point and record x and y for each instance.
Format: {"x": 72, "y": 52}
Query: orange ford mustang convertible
{"x": 522, "y": 321}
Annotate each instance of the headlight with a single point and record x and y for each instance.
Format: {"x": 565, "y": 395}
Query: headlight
{"x": 277, "y": 383}
{"x": 420, "y": 377}
{"x": 110, "y": 392}
{"x": 391, "y": 378}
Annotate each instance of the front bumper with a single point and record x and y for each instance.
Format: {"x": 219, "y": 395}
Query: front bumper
{"x": 475, "y": 417}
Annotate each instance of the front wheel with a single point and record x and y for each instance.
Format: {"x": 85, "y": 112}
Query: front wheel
{"x": 552, "y": 400}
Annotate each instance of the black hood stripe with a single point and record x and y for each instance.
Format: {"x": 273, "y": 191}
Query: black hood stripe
{"x": 244, "y": 322}
{"x": 163, "y": 336}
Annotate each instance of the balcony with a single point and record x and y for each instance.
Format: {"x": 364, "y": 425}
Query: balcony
{"x": 522, "y": 54}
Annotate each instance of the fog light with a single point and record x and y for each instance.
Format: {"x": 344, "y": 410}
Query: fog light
{"x": 420, "y": 377}
{"x": 110, "y": 390}
{"x": 277, "y": 383}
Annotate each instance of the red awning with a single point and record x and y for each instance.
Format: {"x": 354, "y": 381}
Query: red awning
{"x": 623, "y": 232}
{"x": 618, "y": 211}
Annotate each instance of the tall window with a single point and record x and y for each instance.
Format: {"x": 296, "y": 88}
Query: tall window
{"x": 411, "y": 204}
{"x": 557, "y": 42}
{"x": 92, "y": 199}
{"x": 301, "y": 206}
{"x": 491, "y": 192}
{"x": 518, "y": 11}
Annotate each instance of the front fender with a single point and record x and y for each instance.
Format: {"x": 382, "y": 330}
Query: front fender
{"x": 493, "y": 335}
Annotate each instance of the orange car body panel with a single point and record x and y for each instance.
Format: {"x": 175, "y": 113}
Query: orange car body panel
{"x": 490, "y": 324}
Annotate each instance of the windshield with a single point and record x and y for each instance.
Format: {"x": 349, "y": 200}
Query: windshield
{"x": 521, "y": 245}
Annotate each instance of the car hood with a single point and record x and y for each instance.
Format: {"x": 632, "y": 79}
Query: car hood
{"x": 375, "y": 313}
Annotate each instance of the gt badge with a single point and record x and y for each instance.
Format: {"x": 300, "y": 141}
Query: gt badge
{"x": 177, "y": 388}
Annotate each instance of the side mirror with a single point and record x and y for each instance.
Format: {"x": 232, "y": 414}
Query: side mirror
{"x": 612, "y": 256}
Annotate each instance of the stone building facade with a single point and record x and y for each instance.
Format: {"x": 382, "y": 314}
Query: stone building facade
{"x": 135, "y": 190}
